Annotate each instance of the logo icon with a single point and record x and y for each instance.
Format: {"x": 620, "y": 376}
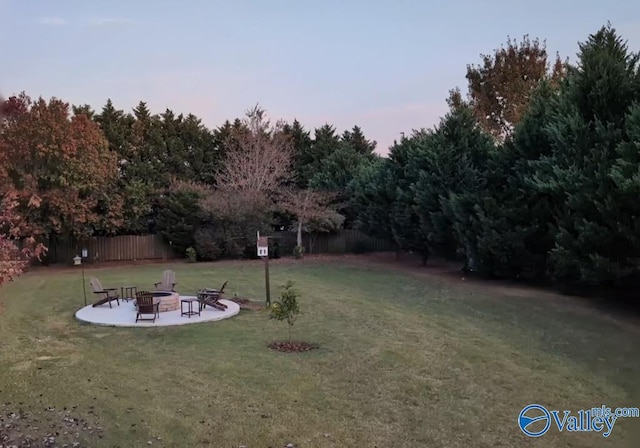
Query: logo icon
{"x": 531, "y": 415}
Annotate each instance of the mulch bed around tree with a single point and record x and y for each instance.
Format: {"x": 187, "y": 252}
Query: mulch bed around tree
{"x": 293, "y": 346}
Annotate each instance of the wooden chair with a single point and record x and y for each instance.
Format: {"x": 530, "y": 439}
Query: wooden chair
{"x": 105, "y": 294}
{"x": 219, "y": 291}
{"x": 145, "y": 305}
{"x": 211, "y": 298}
{"x": 168, "y": 282}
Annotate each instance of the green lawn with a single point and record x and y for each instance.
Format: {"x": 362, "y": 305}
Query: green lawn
{"x": 406, "y": 360}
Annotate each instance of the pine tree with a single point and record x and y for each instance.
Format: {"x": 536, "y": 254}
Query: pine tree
{"x": 452, "y": 182}
{"x": 592, "y": 123}
{"x": 511, "y": 222}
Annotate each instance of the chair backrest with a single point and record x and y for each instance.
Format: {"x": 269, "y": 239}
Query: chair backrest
{"x": 223, "y": 285}
{"x": 96, "y": 285}
{"x": 168, "y": 280}
{"x": 144, "y": 300}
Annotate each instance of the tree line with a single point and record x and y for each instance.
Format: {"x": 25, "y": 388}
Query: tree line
{"x": 532, "y": 173}
{"x": 75, "y": 173}
{"x": 548, "y": 192}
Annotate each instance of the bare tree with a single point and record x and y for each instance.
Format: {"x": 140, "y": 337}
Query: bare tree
{"x": 310, "y": 206}
{"x": 258, "y": 156}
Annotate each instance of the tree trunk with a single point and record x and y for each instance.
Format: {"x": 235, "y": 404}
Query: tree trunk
{"x": 299, "y": 236}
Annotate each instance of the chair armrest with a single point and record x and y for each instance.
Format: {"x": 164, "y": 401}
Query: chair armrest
{"x": 110, "y": 289}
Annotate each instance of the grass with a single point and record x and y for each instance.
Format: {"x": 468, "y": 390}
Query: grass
{"x": 405, "y": 360}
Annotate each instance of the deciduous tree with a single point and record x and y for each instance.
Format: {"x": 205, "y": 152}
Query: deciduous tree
{"x": 310, "y": 206}
{"x": 499, "y": 88}
{"x": 231, "y": 218}
{"x": 62, "y": 161}
{"x": 258, "y": 156}
{"x": 18, "y": 242}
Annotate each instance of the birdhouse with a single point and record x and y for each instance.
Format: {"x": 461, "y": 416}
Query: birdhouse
{"x": 263, "y": 247}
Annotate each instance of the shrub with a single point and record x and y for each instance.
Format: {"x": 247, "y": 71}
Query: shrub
{"x": 208, "y": 247}
{"x": 251, "y": 252}
{"x": 274, "y": 249}
{"x": 298, "y": 251}
{"x": 191, "y": 254}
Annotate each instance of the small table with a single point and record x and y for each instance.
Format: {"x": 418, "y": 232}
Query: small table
{"x": 128, "y": 292}
{"x": 190, "y": 312}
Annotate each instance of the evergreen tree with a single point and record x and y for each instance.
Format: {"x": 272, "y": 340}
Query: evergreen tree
{"x": 403, "y": 172}
{"x": 372, "y": 198}
{"x": 135, "y": 187}
{"x": 301, "y": 146}
{"x": 356, "y": 139}
{"x": 510, "y": 225}
{"x": 452, "y": 164}
{"x": 592, "y": 124}
{"x": 326, "y": 141}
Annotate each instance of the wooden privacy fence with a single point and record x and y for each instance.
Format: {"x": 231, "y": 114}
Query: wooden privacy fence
{"x": 153, "y": 247}
{"x": 341, "y": 242}
{"x": 112, "y": 248}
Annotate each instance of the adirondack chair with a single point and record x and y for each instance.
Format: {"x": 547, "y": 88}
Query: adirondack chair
{"x": 145, "y": 305}
{"x": 211, "y": 298}
{"x": 168, "y": 282}
{"x": 219, "y": 291}
{"x": 105, "y": 294}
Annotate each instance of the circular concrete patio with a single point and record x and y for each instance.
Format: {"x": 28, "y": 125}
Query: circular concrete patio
{"x": 124, "y": 315}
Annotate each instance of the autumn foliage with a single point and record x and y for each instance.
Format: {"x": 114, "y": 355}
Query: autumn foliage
{"x": 57, "y": 177}
{"x": 63, "y": 162}
{"x": 501, "y": 86}
{"x": 14, "y": 233}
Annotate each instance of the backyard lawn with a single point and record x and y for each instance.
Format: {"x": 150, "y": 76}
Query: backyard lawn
{"x": 406, "y": 359}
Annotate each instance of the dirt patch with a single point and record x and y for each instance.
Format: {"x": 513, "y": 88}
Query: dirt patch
{"x": 246, "y": 304}
{"x": 293, "y": 346}
{"x": 47, "y": 427}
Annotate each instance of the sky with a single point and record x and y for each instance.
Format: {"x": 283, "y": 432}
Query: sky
{"x": 386, "y": 66}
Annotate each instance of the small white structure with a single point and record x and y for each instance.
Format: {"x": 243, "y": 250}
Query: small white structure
{"x": 263, "y": 246}
{"x": 77, "y": 260}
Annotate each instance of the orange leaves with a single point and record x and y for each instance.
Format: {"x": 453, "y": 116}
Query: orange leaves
{"x": 14, "y": 259}
{"x": 59, "y": 162}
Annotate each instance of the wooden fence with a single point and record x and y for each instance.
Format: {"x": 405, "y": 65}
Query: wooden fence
{"x": 152, "y": 247}
{"x": 113, "y": 248}
{"x": 341, "y": 242}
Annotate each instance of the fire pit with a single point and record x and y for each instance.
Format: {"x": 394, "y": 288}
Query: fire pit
{"x": 169, "y": 301}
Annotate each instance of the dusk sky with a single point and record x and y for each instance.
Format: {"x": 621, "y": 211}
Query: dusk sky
{"x": 386, "y": 66}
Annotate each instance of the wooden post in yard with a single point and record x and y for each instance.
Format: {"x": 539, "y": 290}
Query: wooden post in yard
{"x": 266, "y": 280}
{"x": 263, "y": 251}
